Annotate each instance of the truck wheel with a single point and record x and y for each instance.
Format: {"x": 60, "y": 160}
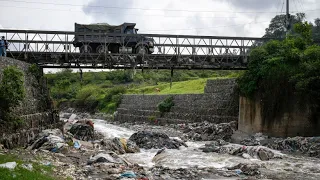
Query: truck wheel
{"x": 142, "y": 50}
{"x": 84, "y": 50}
{"x": 100, "y": 49}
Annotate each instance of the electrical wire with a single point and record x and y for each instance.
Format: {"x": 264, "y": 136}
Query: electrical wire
{"x": 207, "y": 27}
{"x": 282, "y": 7}
{"x": 295, "y": 3}
{"x": 153, "y": 15}
{"x": 134, "y": 8}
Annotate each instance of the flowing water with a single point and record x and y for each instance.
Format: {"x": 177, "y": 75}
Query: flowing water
{"x": 191, "y": 156}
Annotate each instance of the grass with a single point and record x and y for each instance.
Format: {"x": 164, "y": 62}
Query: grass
{"x": 183, "y": 87}
{"x": 39, "y": 172}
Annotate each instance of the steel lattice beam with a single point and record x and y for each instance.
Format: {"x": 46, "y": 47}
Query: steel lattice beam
{"x": 55, "y": 49}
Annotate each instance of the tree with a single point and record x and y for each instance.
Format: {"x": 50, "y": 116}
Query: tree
{"x": 316, "y": 30}
{"x": 277, "y": 27}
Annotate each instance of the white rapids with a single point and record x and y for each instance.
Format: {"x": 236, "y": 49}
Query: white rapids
{"x": 191, "y": 156}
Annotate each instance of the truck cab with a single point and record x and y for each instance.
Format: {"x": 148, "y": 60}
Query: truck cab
{"x": 115, "y": 44}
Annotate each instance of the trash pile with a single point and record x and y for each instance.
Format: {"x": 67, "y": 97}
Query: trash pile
{"x": 305, "y": 145}
{"x": 246, "y": 169}
{"x": 247, "y": 152}
{"x": 206, "y": 131}
{"x": 50, "y": 139}
{"x": 108, "y": 165}
{"x": 83, "y": 131}
{"x": 156, "y": 140}
{"x": 255, "y": 140}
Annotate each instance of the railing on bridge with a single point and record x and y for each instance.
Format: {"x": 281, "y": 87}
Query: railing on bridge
{"x": 56, "y": 49}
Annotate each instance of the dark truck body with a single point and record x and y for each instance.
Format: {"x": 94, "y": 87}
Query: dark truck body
{"x": 114, "y": 44}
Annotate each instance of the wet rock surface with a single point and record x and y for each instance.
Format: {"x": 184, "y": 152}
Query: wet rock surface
{"x": 149, "y": 140}
{"x": 209, "y": 131}
{"x": 305, "y": 145}
{"x": 247, "y": 152}
{"x": 120, "y": 145}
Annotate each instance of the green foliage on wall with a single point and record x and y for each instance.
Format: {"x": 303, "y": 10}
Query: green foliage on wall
{"x": 281, "y": 69}
{"x": 166, "y": 105}
{"x": 11, "y": 93}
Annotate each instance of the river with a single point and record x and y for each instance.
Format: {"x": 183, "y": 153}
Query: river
{"x": 191, "y": 156}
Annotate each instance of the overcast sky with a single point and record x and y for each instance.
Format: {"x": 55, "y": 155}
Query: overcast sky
{"x": 202, "y": 17}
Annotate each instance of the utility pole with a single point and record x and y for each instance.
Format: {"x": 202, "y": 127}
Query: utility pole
{"x": 288, "y": 21}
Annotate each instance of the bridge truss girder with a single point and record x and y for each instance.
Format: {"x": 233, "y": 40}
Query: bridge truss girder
{"x": 55, "y": 49}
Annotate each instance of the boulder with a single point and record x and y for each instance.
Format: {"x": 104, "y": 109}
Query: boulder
{"x": 209, "y": 131}
{"x": 213, "y": 146}
{"x": 247, "y": 152}
{"x": 156, "y": 140}
{"x": 120, "y": 146}
{"x": 254, "y": 140}
{"x": 82, "y": 131}
{"x": 247, "y": 169}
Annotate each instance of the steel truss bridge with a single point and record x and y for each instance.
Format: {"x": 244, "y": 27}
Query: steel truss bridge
{"x": 55, "y": 49}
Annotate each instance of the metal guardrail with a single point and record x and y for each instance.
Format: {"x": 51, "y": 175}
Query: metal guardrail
{"x": 56, "y": 49}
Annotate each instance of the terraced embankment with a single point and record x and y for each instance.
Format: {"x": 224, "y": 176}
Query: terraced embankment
{"x": 218, "y": 104}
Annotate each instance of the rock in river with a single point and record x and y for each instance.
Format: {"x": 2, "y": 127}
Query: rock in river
{"x": 149, "y": 140}
{"x": 82, "y": 132}
{"x": 120, "y": 145}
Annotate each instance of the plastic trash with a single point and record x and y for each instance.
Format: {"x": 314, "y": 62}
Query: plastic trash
{"x": 238, "y": 171}
{"x": 9, "y": 165}
{"x": 47, "y": 163}
{"x": 128, "y": 174}
{"x": 27, "y": 166}
{"x": 72, "y": 118}
{"x": 77, "y": 145}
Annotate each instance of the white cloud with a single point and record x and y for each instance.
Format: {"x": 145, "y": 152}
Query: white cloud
{"x": 194, "y": 17}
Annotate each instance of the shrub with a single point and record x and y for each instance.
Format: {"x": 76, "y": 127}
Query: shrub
{"x": 35, "y": 71}
{"x": 11, "y": 92}
{"x": 166, "y": 105}
{"x": 112, "y": 99}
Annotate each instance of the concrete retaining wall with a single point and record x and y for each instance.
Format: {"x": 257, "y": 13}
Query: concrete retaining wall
{"x": 36, "y": 110}
{"x": 218, "y": 104}
{"x": 294, "y": 121}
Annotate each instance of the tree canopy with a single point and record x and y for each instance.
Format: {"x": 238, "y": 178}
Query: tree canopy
{"x": 277, "y": 26}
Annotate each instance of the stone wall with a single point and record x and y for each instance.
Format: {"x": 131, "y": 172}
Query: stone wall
{"x": 218, "y": 104}
{"x": 294, "y": 120}
{"x": 36, "y": 110}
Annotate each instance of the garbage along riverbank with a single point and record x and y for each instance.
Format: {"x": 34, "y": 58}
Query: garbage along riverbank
{"x": 91, "y": 148}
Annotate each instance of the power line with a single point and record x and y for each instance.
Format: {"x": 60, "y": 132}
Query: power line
{"x": 301, "y": 5}
{"x": 278, "y": 6}
{"x": 134, "y": 8}
{"x": 97, "y": 12}
{"x": 207, "y": 27}
{"x": 295, "y": 3}
{"x": 282, "y": 7}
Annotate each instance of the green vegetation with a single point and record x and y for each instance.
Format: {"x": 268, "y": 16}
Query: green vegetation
{"x": 277, "y": 27}
{"x": 102, "y": 91}
{"x": 11, "y": 93}
{"x": 35, "y": 71}
{"x": 279, "y": 70}
{"x": 166, "y": 105}
{"x": 38, "y": 172}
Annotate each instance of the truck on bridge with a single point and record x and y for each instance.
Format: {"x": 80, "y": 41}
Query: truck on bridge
{"x": 89, "y": 38}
